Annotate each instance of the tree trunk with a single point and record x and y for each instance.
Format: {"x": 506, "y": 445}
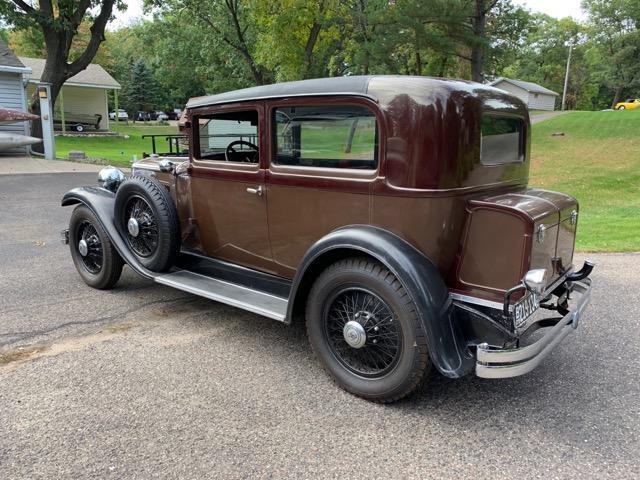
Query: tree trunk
{"x": 443, "y": 67}
{"x": 308, "y": 49}
{"x": 477, "y": 50}
{"x": 616, "y": 96}
{"x": 352, "y": 133}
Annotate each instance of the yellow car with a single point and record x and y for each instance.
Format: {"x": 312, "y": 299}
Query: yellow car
{"x": 629, "y": 104}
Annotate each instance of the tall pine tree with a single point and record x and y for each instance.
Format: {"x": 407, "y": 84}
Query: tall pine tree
{"x": 140, "y": 93}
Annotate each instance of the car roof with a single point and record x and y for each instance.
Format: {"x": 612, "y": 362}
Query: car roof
{"x": 355, "y": 85}
{"x": 374, "y": 87}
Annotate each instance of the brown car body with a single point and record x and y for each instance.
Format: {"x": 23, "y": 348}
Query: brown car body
{"x": 429, "y": 188}
{"x": 479, "y": 226}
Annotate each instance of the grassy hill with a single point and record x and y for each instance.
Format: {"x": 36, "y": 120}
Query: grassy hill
{"x": 597, "y": 161}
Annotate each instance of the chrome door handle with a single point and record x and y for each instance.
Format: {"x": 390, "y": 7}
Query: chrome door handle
{"x": 257, "y": 191}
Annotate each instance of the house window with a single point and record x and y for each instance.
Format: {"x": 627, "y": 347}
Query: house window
{"x": 326, "y": 136}
{"x": 501, "y": 140}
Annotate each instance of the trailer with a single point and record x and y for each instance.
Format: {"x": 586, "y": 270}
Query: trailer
{"x": 78, "y": 122}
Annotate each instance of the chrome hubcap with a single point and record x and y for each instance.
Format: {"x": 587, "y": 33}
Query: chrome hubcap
{"x": 83, "y": 248}
{"x": 133, "y": 227}
{"x": 354, "y": 334}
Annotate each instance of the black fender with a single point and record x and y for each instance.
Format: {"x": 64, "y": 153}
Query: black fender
{"x": 101, "y": 202}
{"x": 418, "y": 275}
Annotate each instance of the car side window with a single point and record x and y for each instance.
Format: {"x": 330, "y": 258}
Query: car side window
{"x": 326, "y": 136}
{"x": 229, "y": 137}
{"x": 501, "y": 140}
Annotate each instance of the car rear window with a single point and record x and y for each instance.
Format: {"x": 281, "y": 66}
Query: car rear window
{"x": 501, "y": 140}
{"x": 326, "y": 136}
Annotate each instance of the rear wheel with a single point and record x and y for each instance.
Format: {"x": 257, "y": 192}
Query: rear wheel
{"x": 621, "y": 107}
{"x": 363, "y": 326}
{"x": 93, "y": 254}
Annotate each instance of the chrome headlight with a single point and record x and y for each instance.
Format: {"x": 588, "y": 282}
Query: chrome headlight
{"x": 536, "y": 280}
{"x": 110, "y": 178}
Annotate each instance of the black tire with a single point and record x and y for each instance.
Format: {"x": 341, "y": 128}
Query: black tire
{"x": 79, "y": 128}
{"x": 621, "y": 107}
{"x": 371, "y": 374}
{"x": 101, "y": 266}
{"x": 157, "y": 244}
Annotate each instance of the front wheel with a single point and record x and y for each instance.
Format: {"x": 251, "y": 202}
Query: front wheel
{"x": 621, "y": 107}
{"x": 93, "y": 254}
{"x": 365, "y": 330}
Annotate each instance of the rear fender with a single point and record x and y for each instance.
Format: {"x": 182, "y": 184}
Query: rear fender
{"x": 420, "y": 278}
{"x": 101, "y": 202}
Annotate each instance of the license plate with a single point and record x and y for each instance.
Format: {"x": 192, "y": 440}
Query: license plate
{"x": 525, "y": 308}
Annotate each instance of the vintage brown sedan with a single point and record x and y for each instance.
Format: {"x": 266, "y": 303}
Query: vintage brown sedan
{"x": 391, "y": 213}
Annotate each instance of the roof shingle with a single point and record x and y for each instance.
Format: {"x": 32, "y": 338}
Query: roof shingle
{"x": 93, "y": 76}
{"x": 8, "y": 58}
{"x": 528, "y": 86}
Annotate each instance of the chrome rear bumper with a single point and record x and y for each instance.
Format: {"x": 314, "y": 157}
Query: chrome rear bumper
{"x": 494, "y": 362}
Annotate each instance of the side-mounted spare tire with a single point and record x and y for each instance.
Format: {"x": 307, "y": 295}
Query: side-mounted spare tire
{"x": 148, "y": 221}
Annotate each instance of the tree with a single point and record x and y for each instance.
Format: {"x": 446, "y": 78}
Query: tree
{"x": 29, "y": 42}
{"x": 140, "y": 92}
{"x": 479, "y": 27}
{"x": 615, "y": 25}
{"x": 297, "y": 38}
{"x": 60, "y": 22}
{"x": 229, "y": 20}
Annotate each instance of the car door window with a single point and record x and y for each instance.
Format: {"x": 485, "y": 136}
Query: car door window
{"x": 229, "y": 137}
{"x": 326, "y": 136}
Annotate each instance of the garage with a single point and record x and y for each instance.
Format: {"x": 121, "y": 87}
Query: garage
{"x": 535, "y": 96}
{"x": 83, "y": 98}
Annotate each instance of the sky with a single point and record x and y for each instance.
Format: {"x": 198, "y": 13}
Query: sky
{"x": 555, "y": 8}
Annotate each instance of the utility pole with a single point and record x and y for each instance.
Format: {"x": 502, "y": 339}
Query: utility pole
{"x": 566, "y": 79}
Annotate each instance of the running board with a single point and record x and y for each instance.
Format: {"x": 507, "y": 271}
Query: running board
{"x": 233, "y": 294}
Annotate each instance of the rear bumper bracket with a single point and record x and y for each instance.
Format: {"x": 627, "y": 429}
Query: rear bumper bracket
{"x": 494, "y": 362}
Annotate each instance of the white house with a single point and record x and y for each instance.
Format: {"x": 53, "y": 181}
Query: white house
{"x": 12, "y": 94}
{"x": 535, "y": 96}
{"x": 84, "y": 93}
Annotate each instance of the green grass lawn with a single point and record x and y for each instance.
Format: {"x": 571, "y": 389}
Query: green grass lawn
{"x": 116, "y": 150}
{"x": 597, "y": 161}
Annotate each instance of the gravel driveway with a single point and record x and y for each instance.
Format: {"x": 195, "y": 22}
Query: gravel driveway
{"x": 144, "y": 381}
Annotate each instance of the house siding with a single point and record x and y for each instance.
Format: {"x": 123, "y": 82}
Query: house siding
{"x": 542, "y": 101}
{"x": 12, "y": 96}
{"x": 521, "y": 93}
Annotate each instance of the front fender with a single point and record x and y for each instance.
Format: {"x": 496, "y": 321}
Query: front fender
{"x": 101, "y": 202}
{"x": 420, "y": 278}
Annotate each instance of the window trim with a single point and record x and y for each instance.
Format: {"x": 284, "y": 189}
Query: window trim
{"x": 355, "y": 174}
{"x": 198, "y": 161}
{"x": 522, "y": 143}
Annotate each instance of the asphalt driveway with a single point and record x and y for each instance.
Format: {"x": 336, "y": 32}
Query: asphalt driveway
{"x": 145, "y": 381}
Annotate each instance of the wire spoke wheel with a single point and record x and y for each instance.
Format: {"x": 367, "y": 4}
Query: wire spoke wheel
{"x": 92, "y": 255}
{"x": 141, "y": 226}
{"x": 362, "y": 332}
